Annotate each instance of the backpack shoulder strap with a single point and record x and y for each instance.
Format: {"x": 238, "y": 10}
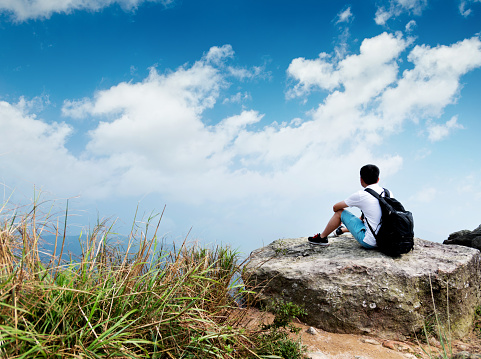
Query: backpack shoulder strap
{"x": 377, "y": 195}
{"x": 372, "y": 230}
{"x": 373, "y": 192}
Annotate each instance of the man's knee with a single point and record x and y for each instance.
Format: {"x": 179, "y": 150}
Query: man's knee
{"x": 339, "y": 212}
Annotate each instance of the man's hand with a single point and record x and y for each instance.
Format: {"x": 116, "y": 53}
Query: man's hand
{"x": 338, "y": 206}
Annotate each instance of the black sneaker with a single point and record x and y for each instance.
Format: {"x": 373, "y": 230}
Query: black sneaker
{"x": 339, "y": 231}
{"x": 318, "y": 240}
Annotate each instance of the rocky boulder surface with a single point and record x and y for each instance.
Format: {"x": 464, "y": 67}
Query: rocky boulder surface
{"x": 348, "y": 289}
{"x": 466, "y": 238}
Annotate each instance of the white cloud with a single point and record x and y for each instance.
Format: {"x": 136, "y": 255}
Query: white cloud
{"x": 312, "y": 73}
{"x": 463, "y": 10}
{"x": 34, "y": 153}
{"x": 77, "y": 109}
{"x": 342, "y": 46}
{"x": 464, "y": 7}
{"x": 33, "y": 9}
{"x": 154, "y": 140}
{"x": 369, "y": 99}
{"x": 398, "y": 7}
{"x": 152, "y": 137}
{"x": 217, "y": 55}
{"x": 345, "y": 16}
{"x": 433, "y": 83}
{"x": 439, "y": 132}
{"x": 382, "y": 16}
{"x": 247, "y": 74}
{"x": 410, "y": 26}
{"x": 363, "y": 77}
{"x": 239, "y": 97}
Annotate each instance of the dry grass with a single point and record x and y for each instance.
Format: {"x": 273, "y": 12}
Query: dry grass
{"x": 140, "y": 302}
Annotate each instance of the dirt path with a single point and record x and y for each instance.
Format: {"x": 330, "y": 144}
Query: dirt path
{"x": 324, "y": 345}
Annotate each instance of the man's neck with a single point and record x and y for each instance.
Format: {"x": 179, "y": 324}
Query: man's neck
{"x": 364, "y": 184}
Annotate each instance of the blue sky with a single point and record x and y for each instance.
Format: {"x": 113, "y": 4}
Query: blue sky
{"x": 248, "y": 120}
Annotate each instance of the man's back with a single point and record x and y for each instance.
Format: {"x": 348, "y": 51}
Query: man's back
{"x": 370, "y": 207}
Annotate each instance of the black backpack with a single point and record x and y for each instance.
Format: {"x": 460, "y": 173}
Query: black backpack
{"x": 396, "y": 235}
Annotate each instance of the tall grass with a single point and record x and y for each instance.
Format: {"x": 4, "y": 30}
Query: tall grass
{"x": 434, "y": 327}
{"x": 138, "y": 302}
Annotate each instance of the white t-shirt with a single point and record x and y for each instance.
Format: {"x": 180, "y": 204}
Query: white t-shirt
{"x": 369, "y": 205}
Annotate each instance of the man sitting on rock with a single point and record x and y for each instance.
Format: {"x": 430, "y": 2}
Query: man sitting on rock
{"x": 369, "y": 206}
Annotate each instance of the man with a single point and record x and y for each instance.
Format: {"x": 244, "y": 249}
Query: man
{"x": 369, "y": 206}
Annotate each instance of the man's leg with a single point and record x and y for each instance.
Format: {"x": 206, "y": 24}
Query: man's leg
{"x": 356, "y": 227}
{"x": 321, "y": 238}
{"x": 333, "y": 224}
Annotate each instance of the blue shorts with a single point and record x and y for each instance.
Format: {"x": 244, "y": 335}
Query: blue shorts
{"x": 356, "y": 227}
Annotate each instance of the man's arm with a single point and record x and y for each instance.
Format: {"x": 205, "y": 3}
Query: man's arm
{"x": 339, "y": 205}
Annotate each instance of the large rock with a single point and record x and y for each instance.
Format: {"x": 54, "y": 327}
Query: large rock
{"x": 466, "y": 238}
{"x": 348, "y": 289}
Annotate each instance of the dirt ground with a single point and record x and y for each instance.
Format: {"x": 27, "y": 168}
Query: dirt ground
{"x": 324, "y": 345}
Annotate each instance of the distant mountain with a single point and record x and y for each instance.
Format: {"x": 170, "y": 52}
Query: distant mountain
{"x": 74, "y": 243}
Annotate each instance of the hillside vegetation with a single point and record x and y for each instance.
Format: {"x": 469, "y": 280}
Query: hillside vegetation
{"x": 132, "y": 301}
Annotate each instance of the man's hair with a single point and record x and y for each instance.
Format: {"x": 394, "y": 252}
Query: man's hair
{"x": 370, "y": 174}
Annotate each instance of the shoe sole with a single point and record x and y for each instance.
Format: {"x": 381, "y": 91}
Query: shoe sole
{"x": 319, "y": 244}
